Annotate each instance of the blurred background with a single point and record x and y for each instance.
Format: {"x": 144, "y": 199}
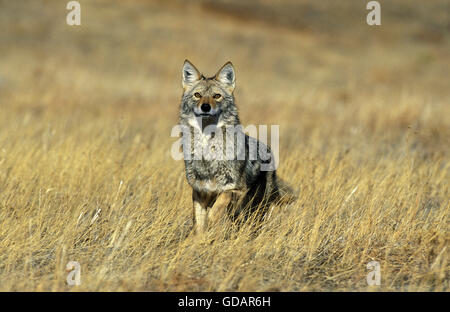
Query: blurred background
{"x": 301, "y": 64}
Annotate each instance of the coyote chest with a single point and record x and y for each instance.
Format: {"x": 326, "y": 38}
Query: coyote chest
{"x": 208, "y": 169}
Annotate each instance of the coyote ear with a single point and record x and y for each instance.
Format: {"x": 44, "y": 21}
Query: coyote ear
{"x": 190, "y": 74}
{"x": 226, "y": 76}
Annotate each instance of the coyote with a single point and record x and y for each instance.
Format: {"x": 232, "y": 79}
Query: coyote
{"x": 222, "y": 186}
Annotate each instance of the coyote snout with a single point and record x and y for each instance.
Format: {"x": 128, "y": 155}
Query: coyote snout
{"x": 222, "y": 185}
{"x": 206, "y": 107}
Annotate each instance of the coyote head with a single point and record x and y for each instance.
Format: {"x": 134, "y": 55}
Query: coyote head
{"x": 208, "y": 100}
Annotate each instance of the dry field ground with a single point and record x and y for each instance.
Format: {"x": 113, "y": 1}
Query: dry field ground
{"x": 86, "y": 173}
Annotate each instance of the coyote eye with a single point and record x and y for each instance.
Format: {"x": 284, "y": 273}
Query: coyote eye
{"x": 197, "y": 95}
{"x": 217, "y": 96}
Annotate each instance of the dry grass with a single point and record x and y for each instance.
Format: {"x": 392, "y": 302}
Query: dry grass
{"x": 85, "y": 167}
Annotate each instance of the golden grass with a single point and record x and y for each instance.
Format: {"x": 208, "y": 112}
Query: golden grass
{"x": 86, "y": 173}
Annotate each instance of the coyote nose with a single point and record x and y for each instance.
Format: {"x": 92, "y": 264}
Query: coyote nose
{"x": 205, "y": 107}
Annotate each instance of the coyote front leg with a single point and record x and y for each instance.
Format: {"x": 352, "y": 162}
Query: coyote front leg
{"x": 209, "y": 208}
{"x": 200, "y": 206}
{"x": 219, "y": 208}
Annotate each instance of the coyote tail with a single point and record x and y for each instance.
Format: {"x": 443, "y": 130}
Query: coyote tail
{"x": 286, "y": 194}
